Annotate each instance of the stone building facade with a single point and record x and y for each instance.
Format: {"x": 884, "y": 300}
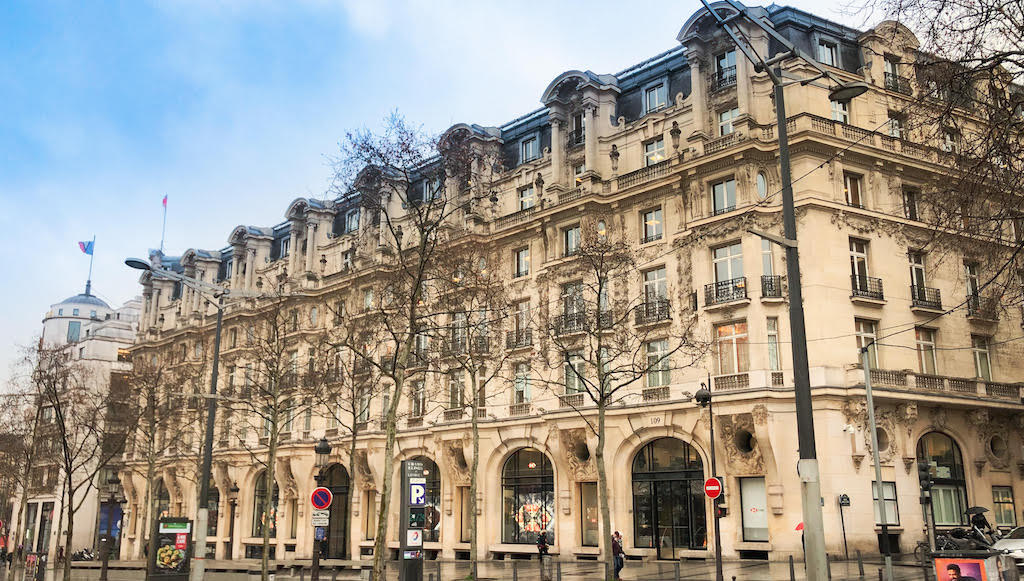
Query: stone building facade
{"x": 681, "y": 151}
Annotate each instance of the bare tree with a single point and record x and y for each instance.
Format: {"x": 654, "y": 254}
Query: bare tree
{"x": 20, "y": 441}
{"x": 610, "y": 332}
{"x": 416, "y": 189}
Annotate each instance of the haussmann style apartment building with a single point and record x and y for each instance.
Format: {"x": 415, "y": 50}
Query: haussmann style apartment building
{"x": 681, "y": 149}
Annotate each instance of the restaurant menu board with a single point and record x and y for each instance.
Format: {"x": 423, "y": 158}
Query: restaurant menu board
{"x": 173, "y": 543}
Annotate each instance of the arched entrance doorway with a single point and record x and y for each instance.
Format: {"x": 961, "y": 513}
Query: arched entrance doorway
{"x": 949, "y": 488}
{"x": 432, "y": 524}
{"x": 163, "y": 500}
{"x": 528, "y": 497}
{"x": 668, "y": 498}
{"x": 336, "y": 547}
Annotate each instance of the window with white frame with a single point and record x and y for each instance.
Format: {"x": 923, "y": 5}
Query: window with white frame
{"x": 925, "y": 344}
{"x": 723, "y": 196}
{"x": 571, "y": 240}
{"x": 895, "y": 125}
{"x": 767, "y": 262}
{"x": 363, "y": 397}
{"x": 655, "y": 97}
{"x": 859, "y": 262}
{"x": 455, "y": 390}
{"x": 727, "y": 262}
{"x": 526, "y": 198}
{"x": 866, "y": 331}
{"x": 725, "y": 119}
{"x": 529, "y": 149}
{"x": 828, "y": 53}
{"x": 659, "y": 373}
{"x": 418, "y": 399}
{"x": 917, "y": 271}
{"x": 655, "y": 287}
{"x": 949, "y": 141}
{"x": 892, "y": 510}
{"x": 522, "y": 316}
{"x": 982, "y": 363}
{"x": 654, "y": 151}
{"x": 286, "y": 245}
{"x": 1003, "y": 509}
{"x": 774, "y": 362}
{"x": 910, "y": 208}
{"x": 573, "y": 368}
{"x": 852, "y": 188}
{"x": 521, "y": 264}
{"x": 841, "y": 111}
{"x": 521, "y": 383}
{"x": 725, "y": 69}
{"x": 352, "y": 220}
{"x": 972, "y": 278}
{"x": 652, "y": 225}
{"x": 731, "y": 345}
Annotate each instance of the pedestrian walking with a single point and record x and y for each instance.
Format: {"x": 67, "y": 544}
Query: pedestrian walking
{"x": 542, "y": 552}
{"x": 617, "y": 554}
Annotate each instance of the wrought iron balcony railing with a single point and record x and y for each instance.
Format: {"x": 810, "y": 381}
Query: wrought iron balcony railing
{"x": 725, "y": 291}
{"x": 925, "y": 298}
{"x": 771, "y": 286}
{"x": 894, "y": 82}
{"x": 519, "y": 339}
{"x": 723, "y": 78}
{"x": 981, "y": 307}
{"x": 867, "y": 287}
{"x": 576, "y": 137}
{"x": 652, "y": 311}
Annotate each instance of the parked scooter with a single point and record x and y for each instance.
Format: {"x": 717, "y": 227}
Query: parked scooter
{"x": 83, "y": 555}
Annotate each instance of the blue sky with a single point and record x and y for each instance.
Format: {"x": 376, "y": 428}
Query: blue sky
{"x": 229, "y": 107}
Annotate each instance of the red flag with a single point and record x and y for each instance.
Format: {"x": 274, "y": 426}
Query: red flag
{"x": 165, "y": 200}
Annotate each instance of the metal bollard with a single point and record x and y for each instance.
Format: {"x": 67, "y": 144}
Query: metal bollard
{"x": 438, "y": 570}
{"x": 475, "y": 576}
{"x": 558, "y": 571}
{"x": 880, "y": 578}
{"x": 515, "y": 571}
{"x": 676, "y": 567}
{"x": 860, "y": 565}
{"x": 792, "y": 570}
{"x": 828, "y": 566}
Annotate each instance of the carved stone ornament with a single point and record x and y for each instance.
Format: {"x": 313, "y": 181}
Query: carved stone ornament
{"x": 455, "y": 457}
{"x": 285, "y": 478}
{"x": 582, "y": 467}
{"x": 940, "y": 418}
{"x": 858, "y": 459}
{"x": 979, "y": 417}
{"x": 907, "y": 414}
{"x": 998, "y": 454}
{"x": 760, "y": 414}
{"x": 362, "y": 467}
{"x": 855, "y": 412}
{"x": 740, "y": 443}
{"x": 908, "y": 463}
{"x": 979, "y": 465}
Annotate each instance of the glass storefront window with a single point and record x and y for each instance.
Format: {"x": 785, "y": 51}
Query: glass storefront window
{"x": 589, "y": 514}
{"x": 528, "y": 497}
{"x": 949, "y": 491}
{"x": 264, "y": 507}
{"x": 432, "y": 525}
{"x": 668, "y": 498}
{"x": 754, "y": 502}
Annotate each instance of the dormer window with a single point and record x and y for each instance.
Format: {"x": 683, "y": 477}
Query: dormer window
{"x": 286, "y": 245}
{"x": 655, "y": 97}
{"x": 828, "y": 53}
{"x": 725, "y": 70}
{"x": 346, "y": 259}
{"x": 529, "y": 149}
{"x": 577, "y": 133}
{"x": 352, "y": 220}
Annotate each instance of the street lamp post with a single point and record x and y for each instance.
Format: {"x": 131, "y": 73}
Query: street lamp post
{"x": 815, "y": 559}
{"x": 703, "y": 397}
{"x": 202, "y": 514}
{"x": 233, "y": 499}
{"x": 865, "y": 359}
{"x": 323, "y": 455}
{"x": 113, "y": 483}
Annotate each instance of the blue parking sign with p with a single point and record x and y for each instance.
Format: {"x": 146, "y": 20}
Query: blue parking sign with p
{"x": 417, "y": 494}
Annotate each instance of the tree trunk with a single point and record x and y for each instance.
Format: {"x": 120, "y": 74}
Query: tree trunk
{"x": 271, "y": 488}
{"x": 602, "y": 490}
{"x": 151, "y": 516}
{"x": 473, "y": 548}
{"x": 70, "y": 496}
{"x": 380, "y": 541}
{"x": 22, "y": 512}
{"x": 352, "y": 487}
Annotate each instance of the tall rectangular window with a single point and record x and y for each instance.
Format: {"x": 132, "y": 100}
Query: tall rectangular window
{"x": 659, "y": 373}
{"x": 925, "y": 341}
{"x": 1002, "y": 506}
{"x": 352, "y": 220}
{"x": 917, "y": 271}
{"x": 573, "y": 372}
{"x": 571, "y": 240}
{"x": 754, "y": 504}
{"x": 725, "y": 70}
{"x": 526, "y": 199}
{"x": 418, "y": 399}
{"x": 652, "y": 225}
{"x": 529, "y": 150}
{"x": 522, "y": 317}
{"x": 895, "y": 125}
{"x": 522, "y": 262}
{"x": 841, "y": 111}
{"x": 572, "y": 299}
{"x": 728, "y": 262}
{"x": 74, "y": 331}
{"x": 774, "y": 363}
{"x": 655, "y": 97}
{"x": 521, "y": 384}
{"x": 731, "y": 346}
{"x": 972, "y": 279}
{"x": 982, "y": 363}
{"x": 655, "y": 287}
{"x": 589, "y": 515}
{"x": 910, "y": 209}
{"x": 654, "y": 151}
{"x": 725, "y": 119}
{"x": 723, "y": 196}
{"x": 892, "y": 510}
{"x": 859, "y": 262}
{"x": 827, "y": 53}
{"x": 767, "y": 263}
{"x": 866, "y": 331}
{"x": 455, "y": 390}
{"x": 852, "y": 189}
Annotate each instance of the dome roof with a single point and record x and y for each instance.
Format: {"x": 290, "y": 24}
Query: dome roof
{"x": 84, "y": 299}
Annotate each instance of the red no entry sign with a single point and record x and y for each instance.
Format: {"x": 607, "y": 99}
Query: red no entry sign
{"x": 713, "y": 487}
{"x": 321, "y": 498}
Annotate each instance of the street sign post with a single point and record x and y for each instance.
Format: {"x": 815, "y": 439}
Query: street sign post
{"x": 413, "y": 519}
{"x": 713, "y": 488}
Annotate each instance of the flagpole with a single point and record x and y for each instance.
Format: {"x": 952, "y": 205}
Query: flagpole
{"x": 92, "y": 256}
{"x": 163, "y": 230}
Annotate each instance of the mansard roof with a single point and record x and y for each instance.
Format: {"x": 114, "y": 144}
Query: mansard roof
{"x": 581, "y": 79}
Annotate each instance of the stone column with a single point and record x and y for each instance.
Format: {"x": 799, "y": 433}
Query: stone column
{"x": 155, "y": 314}
{"x": 590, "y": 138}
{"x": 293, "y": 248}
{"x": 147, "y": 309}
{"x": 250, "y": 267}
{"x": 310, "y": 245}
{"x": 197, "y": 300}
{"x": 558, "y": 145}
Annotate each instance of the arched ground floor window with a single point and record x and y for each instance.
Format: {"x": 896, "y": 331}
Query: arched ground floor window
{"x": 528, "y": 497}
{"x": 949, "y": 488}
{"x": 668, "y": 498}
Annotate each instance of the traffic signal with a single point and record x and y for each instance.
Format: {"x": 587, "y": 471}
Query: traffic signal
{"x": 721, "y": 510}
{"x": 924, "y": 474}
